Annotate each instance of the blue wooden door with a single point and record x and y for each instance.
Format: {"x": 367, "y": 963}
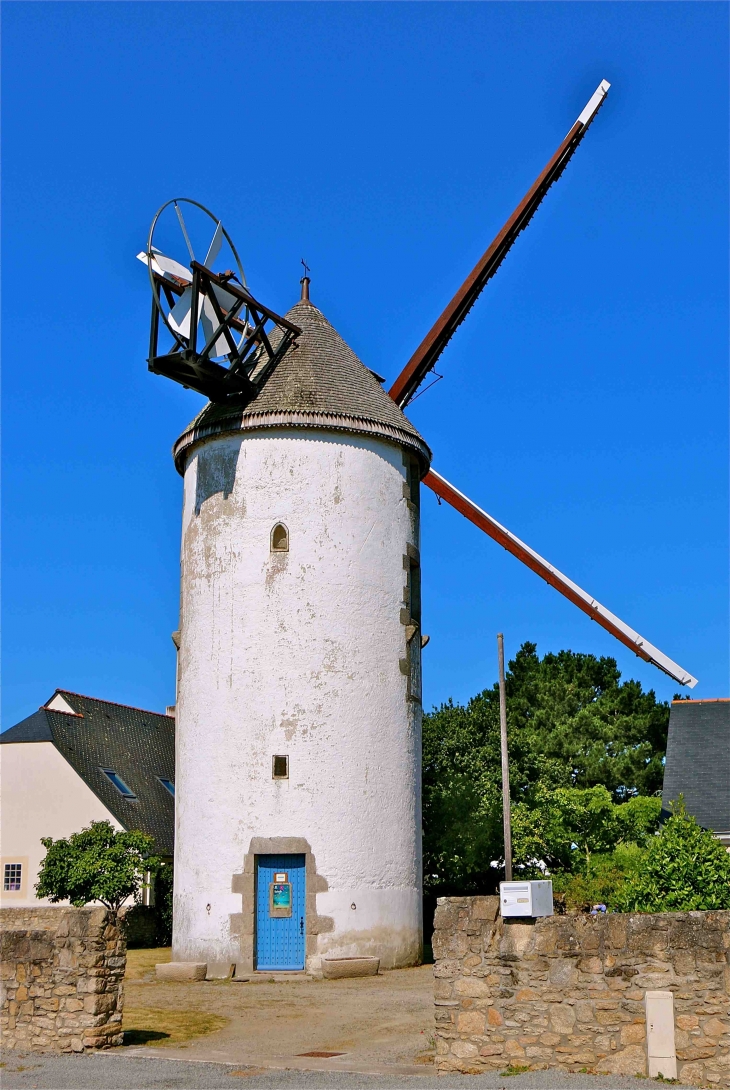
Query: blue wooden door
{"x": 280, "y": 915}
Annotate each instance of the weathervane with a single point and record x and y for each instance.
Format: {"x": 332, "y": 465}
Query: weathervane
{"x": 219, "y": 343}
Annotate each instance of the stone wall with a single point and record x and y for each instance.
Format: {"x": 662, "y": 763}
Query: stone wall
{"x": 61, "y": 979}
{"x": 568, "y": 991}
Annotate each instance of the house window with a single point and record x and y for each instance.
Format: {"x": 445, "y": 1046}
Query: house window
{"x": 280, "y": 539}
{"x": 13, "y": 873}
{"x": 280, "y": 767}
{"x": 168, "y": 785}
{"x": 119, "y": 783}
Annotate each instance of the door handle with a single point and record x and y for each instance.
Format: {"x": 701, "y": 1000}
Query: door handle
{"x": 301, "y": 925}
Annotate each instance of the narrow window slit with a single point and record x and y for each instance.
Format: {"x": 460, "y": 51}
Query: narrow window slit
{"x": 280, "y": 539}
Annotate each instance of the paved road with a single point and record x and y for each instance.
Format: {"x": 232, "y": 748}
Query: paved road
{"x": 120, "y": 1071}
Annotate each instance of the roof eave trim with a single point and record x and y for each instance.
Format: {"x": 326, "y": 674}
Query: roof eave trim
{"x": 297, "y": 419}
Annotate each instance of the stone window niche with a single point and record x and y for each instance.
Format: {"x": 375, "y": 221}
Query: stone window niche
{"x": 280, "y": 539}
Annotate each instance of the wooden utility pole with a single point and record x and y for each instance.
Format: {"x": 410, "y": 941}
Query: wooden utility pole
{"x": 506, "y": 816}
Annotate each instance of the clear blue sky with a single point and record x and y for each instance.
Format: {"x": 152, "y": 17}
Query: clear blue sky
{"x": 584, "y": 402}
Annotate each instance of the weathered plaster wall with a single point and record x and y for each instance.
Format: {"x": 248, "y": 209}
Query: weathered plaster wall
{"x": 304, "y": 653}
{"x": 568, "y": 991}
{"x": 42, "y": 795}
{"x": 61, "y": 972}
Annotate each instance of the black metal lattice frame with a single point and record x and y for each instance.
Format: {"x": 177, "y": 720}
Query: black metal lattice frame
{"x": 251, "y": 352}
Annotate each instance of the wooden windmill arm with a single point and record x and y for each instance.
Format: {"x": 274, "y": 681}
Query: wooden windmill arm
{"x": 551, "y": 575}
{"x": 433, "y": 344}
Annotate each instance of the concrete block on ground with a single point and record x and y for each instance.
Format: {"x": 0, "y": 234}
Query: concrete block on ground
{"x": 335, "y": 968}
{"x": 220, "y": 970}
{"x": 181, "y": 970}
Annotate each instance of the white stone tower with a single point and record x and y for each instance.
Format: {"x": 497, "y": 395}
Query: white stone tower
{"x": 299, "y": 691}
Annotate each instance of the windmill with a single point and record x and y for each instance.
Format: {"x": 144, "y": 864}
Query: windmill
{"x": 299, "y": 649}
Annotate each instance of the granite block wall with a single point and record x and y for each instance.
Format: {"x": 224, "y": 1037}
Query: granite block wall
{"x": 568, "y": 992}
{"x": 61, "y": 976}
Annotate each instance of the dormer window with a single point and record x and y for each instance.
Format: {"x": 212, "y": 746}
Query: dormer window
{"x": 280, "y": 539}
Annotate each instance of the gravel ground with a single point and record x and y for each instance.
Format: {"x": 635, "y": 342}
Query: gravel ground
{"x": 120, "y": 1071}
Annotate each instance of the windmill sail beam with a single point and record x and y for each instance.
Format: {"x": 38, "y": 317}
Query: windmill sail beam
{"x": 556, "y": 579}
{"x": 435, "y": 341}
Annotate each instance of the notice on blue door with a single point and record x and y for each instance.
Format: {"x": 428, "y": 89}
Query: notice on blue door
{"x": 280, "y": 899}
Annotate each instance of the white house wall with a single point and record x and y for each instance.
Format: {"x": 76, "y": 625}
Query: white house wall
{"x": 302, "y": 654}
{"x": 41, "y": 795}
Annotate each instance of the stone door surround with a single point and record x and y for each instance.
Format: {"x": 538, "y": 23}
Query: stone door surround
{"x": 243, "y": 923}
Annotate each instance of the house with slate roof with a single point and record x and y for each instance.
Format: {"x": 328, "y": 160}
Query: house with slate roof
{"x": 698, "y": 763}
{"x": 74, "y": 761}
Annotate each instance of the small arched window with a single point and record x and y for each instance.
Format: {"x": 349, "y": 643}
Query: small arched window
{"x": 280, "y": 539}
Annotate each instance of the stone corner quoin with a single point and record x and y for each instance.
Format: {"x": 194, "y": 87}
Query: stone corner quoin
{"x": 568, "y": 992}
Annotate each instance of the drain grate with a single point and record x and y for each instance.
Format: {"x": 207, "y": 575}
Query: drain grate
{"x": 321, "y": 1055}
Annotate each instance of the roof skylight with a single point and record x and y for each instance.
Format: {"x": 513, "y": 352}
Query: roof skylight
{"x": 119, "y": 783}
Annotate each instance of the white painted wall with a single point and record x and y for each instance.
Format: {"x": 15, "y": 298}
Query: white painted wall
{"x": 40, "y": 795}
{"x": 298, "y": 654}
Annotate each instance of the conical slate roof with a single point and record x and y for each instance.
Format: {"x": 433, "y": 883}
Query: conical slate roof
{"x": 318, "y": 383}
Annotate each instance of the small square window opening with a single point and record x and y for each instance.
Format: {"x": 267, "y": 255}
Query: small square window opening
{"x": 280, "y": 768}
{"x": 168, "y": 785}
{"x": 12, "y": 876}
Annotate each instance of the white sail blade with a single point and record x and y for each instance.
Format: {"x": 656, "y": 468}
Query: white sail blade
{"x": 225, "y": 300}
{"x": 551, "y": 575}
{"x": 209, "y": 322}
{"x": 179, "y": 316}
{"x": 214, "y": 248}
{"x": 163, "y": 265}
{"x": 174, "y": 267}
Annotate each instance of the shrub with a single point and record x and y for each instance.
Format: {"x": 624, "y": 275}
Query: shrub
{"x": 602, "y": 882}
{"x": 163, "y": 904}
{"x": 685, "y": 869}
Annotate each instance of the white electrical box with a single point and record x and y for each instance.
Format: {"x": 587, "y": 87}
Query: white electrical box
{"x": 526, "y": 898}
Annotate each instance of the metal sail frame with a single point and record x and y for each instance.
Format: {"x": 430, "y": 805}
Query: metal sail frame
{"x": 570, "y": 590}
{"x": 424, "y": 358}
{"x": 426, "y": 355}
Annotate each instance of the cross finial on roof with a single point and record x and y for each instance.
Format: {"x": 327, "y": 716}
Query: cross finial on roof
{"x": 305, "y": 282}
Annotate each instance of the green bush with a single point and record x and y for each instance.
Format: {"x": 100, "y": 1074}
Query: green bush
{"x": 685, "y": 869}
{"x": 602, "y": 882}
{"x": 96, "y": 864}
{"x": 163, "y": 904}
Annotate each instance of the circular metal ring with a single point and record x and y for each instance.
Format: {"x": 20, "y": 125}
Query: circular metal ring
{"x": 155, "y": 293}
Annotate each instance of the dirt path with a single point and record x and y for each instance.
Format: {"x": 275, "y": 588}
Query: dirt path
{"x": 374, "y": 1021}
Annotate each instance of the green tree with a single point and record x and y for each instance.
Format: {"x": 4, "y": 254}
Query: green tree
{"x": 571, "y": 723}
{"x": 96, "y": 864}
{"x": 565, "y": 827}
{"x": 685, "y": 869}
{"x": 574, "y": 710}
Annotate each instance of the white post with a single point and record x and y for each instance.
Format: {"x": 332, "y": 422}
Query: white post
{"x": 506, "y": 819}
